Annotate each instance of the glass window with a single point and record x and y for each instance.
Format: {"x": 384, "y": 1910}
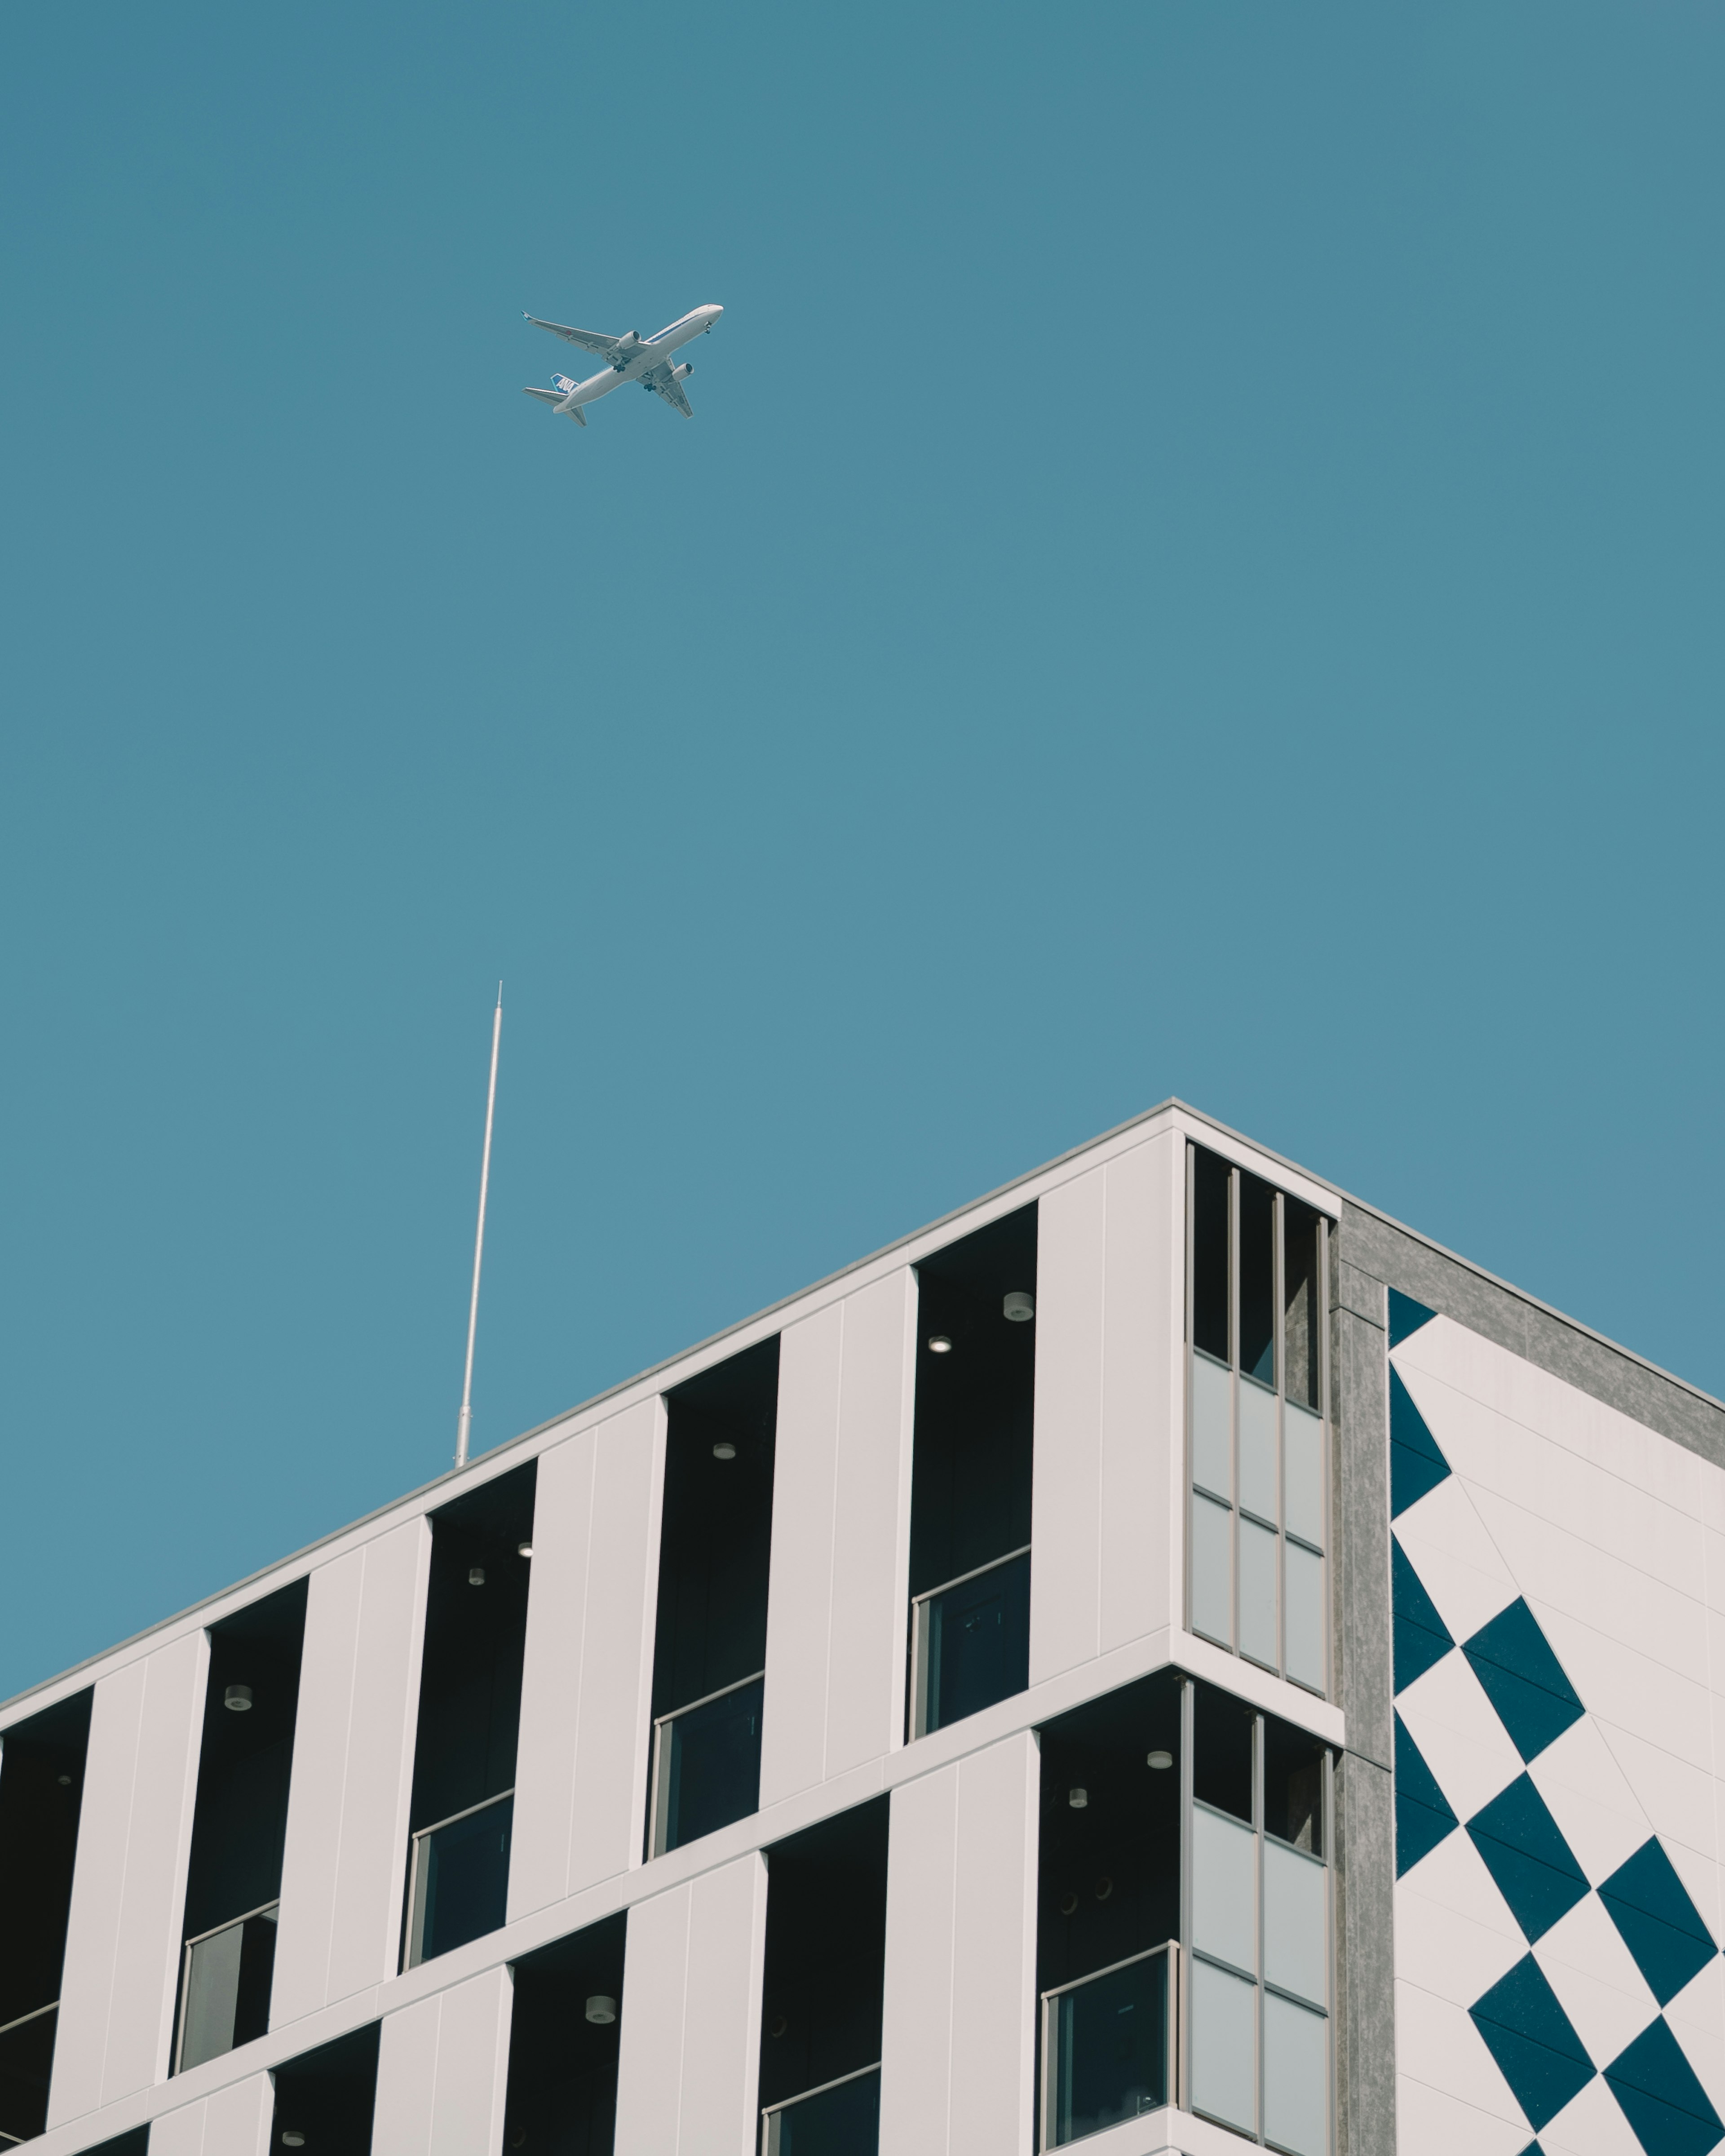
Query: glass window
{"x": 1110, "y": 2046}
{"x": 1257, "y": 1450}
{"x": 707, "y": 1765}
{"x": 1297, "y": 2078}
{"x": 1257, "y": 1279}
{"x": 1257, "y": 1593}
{"x": 1212, "y": 1571}
{"x": 1209, "y": 1256}
{"x": 1222, "y": 1752}
{"x": 1223, "y": 2046}
{"x": 461, "y": 1879}
{"x": 1305, "y": 1616}
{"x": 1224, "y": 1889}
{"x": 1301, "y": 1228}
{"x": 1293, "y": 1786}
{"x": 1296, "y": 1951}
{"x": 1303, "y": 1489}
{"x": 1212, "y": 1441}
{"x": 978, "y": 1635}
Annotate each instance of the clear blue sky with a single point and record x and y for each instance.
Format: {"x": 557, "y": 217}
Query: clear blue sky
{"x": 1196, "y": 568}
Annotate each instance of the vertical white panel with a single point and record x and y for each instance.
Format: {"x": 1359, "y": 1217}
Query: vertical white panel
{"x": 1142, "y": 1336}
{"x": 443, "y": 2069}
{"x": 957, "y": 2056}
{"x": 179, "y": 2132}
{"x": 344, "y": 1856}
{"x": 608, "y": 1811}
{"x": 799, "y": 1593}
{"x": 1066, "y": 1509}
{"x": 872, "y": 1547}
{"x": 317, "y": 1788}
{"x": 557, "y": 1602}
{"x": 123, "y": 1942}
{"x": 236, "y": 2118}
{"x": 691, "y": 2016}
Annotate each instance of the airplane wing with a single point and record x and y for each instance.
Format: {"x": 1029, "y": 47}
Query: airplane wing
{"x": 593, "y": 341}
{"x": 555, "y": 396}
{"x": 669, "y": 388}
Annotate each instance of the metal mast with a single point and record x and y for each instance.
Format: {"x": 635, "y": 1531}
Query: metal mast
{"x": 465, "y": 1424}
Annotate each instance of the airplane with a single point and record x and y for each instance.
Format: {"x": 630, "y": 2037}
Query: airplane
{"x": 631, "y": 358}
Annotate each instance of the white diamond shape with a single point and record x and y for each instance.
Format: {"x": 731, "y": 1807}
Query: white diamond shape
{"x": 1459, "y": 1735}
{"x": 1594, "y": 1807}
{"x": 1445, "y": 1542}
{"x": 1455, "y": 1936}
{"x": 1594, "y": 1976}
{"x": 1591, "y": 2123}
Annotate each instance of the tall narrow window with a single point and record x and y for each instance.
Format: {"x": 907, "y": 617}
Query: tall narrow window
{"x": 1256, "y": 1420}
{"x": 1258, "y": 1937}
{"x": 239, "y": 1826}
{"x": 470, "y": 1715}
{"x": 41, "y": 1791}
{"x": 970, "y": 1501}
{"x": 325, "y": 2099}
{"x": 1108, "y": 1909}
{"x": 710, "y": 1647}
{"x": 821, "y": 1994}
{"x": 564, "y": 2029}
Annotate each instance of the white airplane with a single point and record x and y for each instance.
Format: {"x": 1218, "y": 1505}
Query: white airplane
{"x": 631, "y": 358}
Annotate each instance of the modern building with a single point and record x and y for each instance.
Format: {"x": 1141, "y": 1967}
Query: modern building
{"x": 1165, "y": 1657}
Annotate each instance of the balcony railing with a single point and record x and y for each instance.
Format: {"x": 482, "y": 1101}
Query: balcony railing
{"x": 224, "y": 1988}
{"x": 458, "y": 1889}
{"x": 706, "y": 1763}
{"x": 1108, "y": 2046}
{"x": 26, "y": 2062}
{"x": 971, "y": 1641}
{"x": 839, "y": 2118}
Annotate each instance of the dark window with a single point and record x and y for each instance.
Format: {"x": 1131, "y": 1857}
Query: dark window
{"x": 326, "y": 2096}
{"x": 710, "y": 1643}
{"x": 821, "y": 1992}
{"x": 970, "y": 1498}
{"x": 1222, "y": 1752}
{"x": 1210, "y": 1253}
{"x": 1293, "y": 1786}
{"x": 469, "y": 1714}
{"x": 1301, "y": 1317}
{"x": 41, "y": 1791}
{"x": 564, "y": 2037}
{"x": 1257, "y": 1280}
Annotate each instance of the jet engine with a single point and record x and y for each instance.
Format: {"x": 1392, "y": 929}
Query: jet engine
{"x": 678, "y": 372}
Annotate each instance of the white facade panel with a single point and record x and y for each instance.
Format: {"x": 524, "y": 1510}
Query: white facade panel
{"x": 235, "y": 2122}
{"x": 691, "y": 2016}
{"x": 443, "y": 2071}
{"x": 839, "y": 1584}
{"x": 122, "y": 1940}
{"x": 581, "y": 1772}
{"x": 1104, "y": 1563}
{"x": 957, "y": 2057}
{"x": 343, "y": 1863}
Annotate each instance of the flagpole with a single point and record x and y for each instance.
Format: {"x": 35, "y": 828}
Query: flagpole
{"x": 465, "y": 1424}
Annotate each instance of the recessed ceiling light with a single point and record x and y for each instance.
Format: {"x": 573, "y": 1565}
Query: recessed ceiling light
{"x": 524, "y": 1549}
{"x": 939, "y": 1344}
{"x": 475, "y": 1575}
{"x": 238, "y": 1699}
{"x": 602, "y": 2008}
{"x": 65, "y": 1781}
{"x": 1019, "y": 1307}
{"x": 724, "y": 1450}
{"x": 290, "y": 2139}
{"x": 1159, "y": 1760}
{"x": 1078, "y": 1798}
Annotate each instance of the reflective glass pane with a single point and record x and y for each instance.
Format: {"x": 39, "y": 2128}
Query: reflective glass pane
{"x": 1257, "y": 1279}
{"x": 464, "y": 1878}
{"x": 1212, "y": 1444}
{"x": 1303, "y": 1491}
{"x": 1295, "y": 1923}
{"x": 1305, "y": 1616}
{"x": 1224, "y": 1889}
{"x": 714, "y": 1773}
{"x": 1297, "y": 2078}
{"x": 1111, "y": 2049}
{"x": 845, "y": 2121}
{"x": 1301, "y": 1228}
{"x": 1212, "y": 1571}
{"x": 978, "y": 1642}
{"x": 1257, "y": 1450}
{"x": 1223, "y": 2046}
{"x": 1293, "y": 1786}
{"x": 26, "y": 2062}
{"x": 1210, "y": 1253}
{"x": 228, "y": 1980}
{"x": 1257, "y": 1593}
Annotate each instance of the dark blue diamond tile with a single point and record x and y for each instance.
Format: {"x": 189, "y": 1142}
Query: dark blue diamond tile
{"x": 1523, "y": 1849}
{"x": 1656, "y": 2089}
{"x": 1419, "y": 1637}
{"x": 1536, "y": 2049}
{"x": 1405, "y": 1316}
{"x": 1660, "y": 1924}
{"x": 1523, "y": 1679}
{"x": 1423, "y": 1816}
{"x": 1415, "y": 1463}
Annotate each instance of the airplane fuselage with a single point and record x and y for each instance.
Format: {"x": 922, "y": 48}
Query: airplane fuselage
{"x": 639, "y": 356}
